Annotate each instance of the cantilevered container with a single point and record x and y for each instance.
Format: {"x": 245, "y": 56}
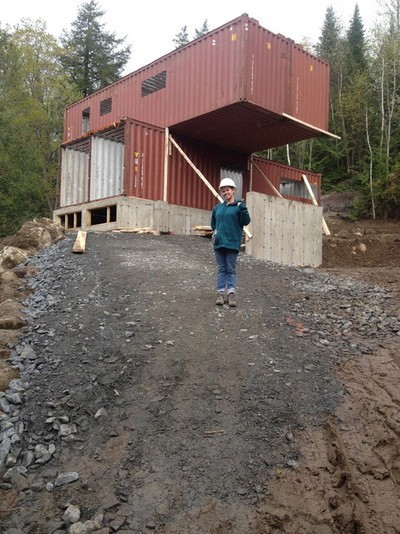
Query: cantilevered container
{"x": 239, "y": 87}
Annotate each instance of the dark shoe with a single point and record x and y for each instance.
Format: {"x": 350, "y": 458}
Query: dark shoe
{"x": 232, "y": 300}
{"x": 220, "y": 299}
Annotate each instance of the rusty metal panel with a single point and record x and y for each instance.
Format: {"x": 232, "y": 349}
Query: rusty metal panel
{"x": 144, "y": 161}
{"x": 309, "y": 88}
{"x": 106, "y": 168}
{"x": 284, "y": 179}
{"x": 74, "y": 177}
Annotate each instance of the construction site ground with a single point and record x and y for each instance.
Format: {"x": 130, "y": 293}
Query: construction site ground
{"x": 145, "y": 408}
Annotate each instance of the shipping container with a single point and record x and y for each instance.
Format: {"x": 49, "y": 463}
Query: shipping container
{"x": 126, "y": 158}
{"x": 238, "y": 87}
{"x": 132, "y": 159}
{"x": 288, "y": 181}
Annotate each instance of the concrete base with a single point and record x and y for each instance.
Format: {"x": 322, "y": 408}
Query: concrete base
{"x": 284, "y": 231}
{"x": 131, "y": 213}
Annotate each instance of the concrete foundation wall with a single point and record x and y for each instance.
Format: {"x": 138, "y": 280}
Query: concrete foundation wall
{"x": 130, "y": 213}
{"x": 284, "y": 231}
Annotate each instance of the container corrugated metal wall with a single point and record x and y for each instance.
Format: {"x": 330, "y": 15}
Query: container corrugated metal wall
{"x": 240, "y": 61}
{"x": 144, "y": 161}
{"x": 278, "y": 174}
{"x": 268, "y": 69}
{"x": 106, "y": 168}
{"x": 74, "y": 177}
{"x": 309, "y": 94}
{"x": 185, "y": 187}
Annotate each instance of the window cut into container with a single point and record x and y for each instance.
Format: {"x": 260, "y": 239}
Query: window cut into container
{"x": 105, "y": 106}
{"x": 295, "y": 188}
{"x": 154, "y": 83}
{"x": 86, "y": 120}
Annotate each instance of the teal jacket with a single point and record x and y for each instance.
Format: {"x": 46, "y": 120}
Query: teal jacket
{"x": 227, "y": 221}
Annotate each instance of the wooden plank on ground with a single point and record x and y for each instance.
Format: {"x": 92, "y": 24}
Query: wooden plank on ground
{"x": 80, "y": 243}
{"x": 142, "y": 230}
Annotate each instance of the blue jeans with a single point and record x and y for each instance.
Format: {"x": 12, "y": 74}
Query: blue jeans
{"x": 226, "y": 264}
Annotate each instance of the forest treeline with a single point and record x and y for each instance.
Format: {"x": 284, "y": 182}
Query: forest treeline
{"x": 41, "y": 74}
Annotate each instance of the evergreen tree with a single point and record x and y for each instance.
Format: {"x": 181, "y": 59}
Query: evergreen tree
{"x": 93, "y": 57}
{"x": 356, "y": 41}
{"x": 203, "y": 30}
{"x": 327, "y": 47}
{"x": 181, "y": 38}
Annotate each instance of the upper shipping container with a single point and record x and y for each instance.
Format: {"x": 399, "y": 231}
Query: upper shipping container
{"x": 239, "y": 87}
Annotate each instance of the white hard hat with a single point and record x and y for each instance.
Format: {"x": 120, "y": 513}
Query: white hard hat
{"x": 227, "y": 182}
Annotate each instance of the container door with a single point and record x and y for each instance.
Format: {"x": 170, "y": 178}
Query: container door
{"x": 107, "y": 166}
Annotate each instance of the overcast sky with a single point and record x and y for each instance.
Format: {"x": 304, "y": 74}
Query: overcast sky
{"x": 150, "y": 26}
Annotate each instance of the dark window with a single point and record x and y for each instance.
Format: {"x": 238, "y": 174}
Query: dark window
{"x": 104, "y": 215}
{"x": 155, "y": 83}
{"x": 105, "y": 106}
{"x": 85, "y": 120}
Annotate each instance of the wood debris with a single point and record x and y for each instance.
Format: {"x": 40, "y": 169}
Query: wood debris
{"x": 205, "y": 231}
{"x": 80, "y": 243}
{"x": 142, "y": 230}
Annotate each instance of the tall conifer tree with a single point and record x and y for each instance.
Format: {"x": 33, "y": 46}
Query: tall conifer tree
{"x": 356, "y": 41}
{"x": 93, "y": 57}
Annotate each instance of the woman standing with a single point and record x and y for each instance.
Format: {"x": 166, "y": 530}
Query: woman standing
{"x": 227, "y": 222}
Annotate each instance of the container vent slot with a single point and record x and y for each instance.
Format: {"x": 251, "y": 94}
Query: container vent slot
{"x": 154, "y": 83}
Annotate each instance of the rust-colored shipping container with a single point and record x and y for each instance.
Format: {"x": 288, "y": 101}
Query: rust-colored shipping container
{"x": 126, "y": 159}
{"x": 239, "y": 87}
{"x": 129, "y": 159}
{"x": 287, "y": 180}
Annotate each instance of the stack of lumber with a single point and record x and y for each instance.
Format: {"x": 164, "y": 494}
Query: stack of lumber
{"x": 205, "y": 231}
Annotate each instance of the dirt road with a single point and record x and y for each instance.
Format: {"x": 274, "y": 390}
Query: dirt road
{"x": 145, "y": 408}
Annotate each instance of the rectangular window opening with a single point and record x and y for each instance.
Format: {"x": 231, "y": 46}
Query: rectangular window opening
{"x": 154, "y": 83}
{"x": 86, "y": 120}
{"x": 105, "y": 106}
{"x": 70, "y": 220}
{"x": 103, "y": 215}
{"x": 113, "y": 213}
{"x": 295, "y": 188}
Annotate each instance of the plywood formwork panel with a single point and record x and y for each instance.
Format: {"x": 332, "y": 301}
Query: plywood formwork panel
{"x": 284, "y": 231}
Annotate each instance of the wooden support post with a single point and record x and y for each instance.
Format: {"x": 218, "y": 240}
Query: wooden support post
{"x": 314, "y": 201}
{"x": 203, "y": 178}
{"x": 80, "y": 243}
{"x": 274, "y": 189}
{"x": 166, "y": 154}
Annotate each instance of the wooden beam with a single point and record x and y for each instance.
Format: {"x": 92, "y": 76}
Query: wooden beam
{"x": 323, "y": 132}
{"x": 203, "y": 178}
{"x": 274, "y": 189}
{"x": 166, "y": 154}
{"x": 80, "y": 243}
{"x": 314, "y": 201}
{"x": 196, "y": 170}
